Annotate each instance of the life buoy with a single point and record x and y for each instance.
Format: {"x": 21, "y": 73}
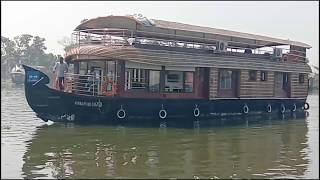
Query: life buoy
{"x": 283, "y": 108}
{"x": 294, "y": 107}
{"x": 269, "y": 108}
{"x": 121, "y": 113}
{"x": 304, "y": 106}
{"x": 196, "y": 112}
{"x": 245, "y": 109}
{"x": 162, "y": 114}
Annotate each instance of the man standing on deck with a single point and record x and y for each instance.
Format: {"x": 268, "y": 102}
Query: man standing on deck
{"x": 62, "y": 68}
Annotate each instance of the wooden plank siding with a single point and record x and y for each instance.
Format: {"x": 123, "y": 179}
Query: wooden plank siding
{"x": 247, "y": 89}
{"x": 213, "y": 83}
{"x": 299, "y": 89}
{"x": 186, "y": 59}
{"x": 258, "y": 88}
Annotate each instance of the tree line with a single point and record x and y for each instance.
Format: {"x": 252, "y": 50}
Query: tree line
{"x": 27, "y": 49}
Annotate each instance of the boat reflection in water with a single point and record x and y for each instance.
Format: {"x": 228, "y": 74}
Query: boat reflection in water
{"x": 254, "y": 148}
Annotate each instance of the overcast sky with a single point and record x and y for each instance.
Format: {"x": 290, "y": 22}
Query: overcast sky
{"x": 294, "y": 20}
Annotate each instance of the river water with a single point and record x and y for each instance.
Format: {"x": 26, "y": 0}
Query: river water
{"x": 277, "y": 148}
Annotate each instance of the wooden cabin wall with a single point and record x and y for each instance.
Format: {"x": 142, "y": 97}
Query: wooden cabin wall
{"x": 201, "y": 84}
{"x": 213, "y": 83}
{"x": 299, "y": 89}
{"x": 258, "y": 88}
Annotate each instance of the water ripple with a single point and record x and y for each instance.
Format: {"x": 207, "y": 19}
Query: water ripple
{"x": 268, "y": 149}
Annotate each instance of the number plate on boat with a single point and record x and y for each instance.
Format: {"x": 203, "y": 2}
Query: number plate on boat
{"x": 33, "y": 76}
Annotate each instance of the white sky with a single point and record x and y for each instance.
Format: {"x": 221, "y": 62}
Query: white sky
{"x": 294, "y": 20}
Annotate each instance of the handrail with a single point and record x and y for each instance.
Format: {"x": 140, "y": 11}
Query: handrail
{"x": 134, "y": 32}
{"x": 182, "y": 36}
{"x": 80, "y": 84}
{"x": 90, "y": 84}
{"x": 118, "y": 38}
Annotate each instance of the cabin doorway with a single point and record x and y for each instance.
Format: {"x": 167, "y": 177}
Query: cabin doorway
{"x": 202, "y": 80}
{"x": 282, "y": 84}
{"x": 228, "y": 83}
{"x": 98, "y": 76}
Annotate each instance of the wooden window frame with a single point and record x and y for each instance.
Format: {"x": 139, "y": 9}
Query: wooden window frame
{"x": 183, "y": 81}
{"x": 301, "y": 80}
{"x": 220, "y": 78}
{"x": 149, "y": 73}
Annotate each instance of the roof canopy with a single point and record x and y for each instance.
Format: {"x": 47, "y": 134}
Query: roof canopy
{"x": 141, "y": 26}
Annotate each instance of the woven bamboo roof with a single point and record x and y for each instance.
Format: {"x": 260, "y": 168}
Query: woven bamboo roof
{"x": 174, "y": 30}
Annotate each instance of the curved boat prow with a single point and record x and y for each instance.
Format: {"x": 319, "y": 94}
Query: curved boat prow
{"x": 36, "y": 91}
{"x": 34, "y": 76}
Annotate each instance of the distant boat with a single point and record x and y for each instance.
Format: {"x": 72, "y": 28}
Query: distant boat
{"x": 17, "y": 74}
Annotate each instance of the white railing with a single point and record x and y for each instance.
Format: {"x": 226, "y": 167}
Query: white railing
{"x": 89, "y": 85}
{"x": 120, "y": 37}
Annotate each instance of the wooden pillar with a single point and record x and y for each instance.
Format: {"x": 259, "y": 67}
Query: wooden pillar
{"x": 105, "y": 68}
{"x": 120, "y": 76}
{"x": 206, "y": 79}
{"x": 76, "y": 67}
{"x": 197, "y": 82}
{"x": 162, "y": 79}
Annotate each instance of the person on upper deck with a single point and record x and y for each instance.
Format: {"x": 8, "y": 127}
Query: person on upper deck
{"x": 61, "y": 67}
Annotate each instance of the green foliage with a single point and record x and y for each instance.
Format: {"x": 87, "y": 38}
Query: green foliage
{"x": 7, "y": 46}
{"x": 27, "y": 49}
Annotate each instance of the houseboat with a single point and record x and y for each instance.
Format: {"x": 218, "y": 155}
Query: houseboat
{"x": 124, "y": 68}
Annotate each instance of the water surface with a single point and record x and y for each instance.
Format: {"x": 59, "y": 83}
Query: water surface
{"x": 277, "y": 148}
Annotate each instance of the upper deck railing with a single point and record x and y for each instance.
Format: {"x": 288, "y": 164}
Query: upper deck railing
{"x": 123, "y": 38}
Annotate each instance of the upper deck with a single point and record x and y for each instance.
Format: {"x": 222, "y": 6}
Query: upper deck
{"x": 141, "y": 26}
{"x": 127, "y": 32}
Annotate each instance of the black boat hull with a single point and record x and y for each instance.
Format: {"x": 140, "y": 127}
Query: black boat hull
{"x": 58, "y": 106}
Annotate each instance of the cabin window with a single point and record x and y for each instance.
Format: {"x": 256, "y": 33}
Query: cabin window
{"x": 136, "y": 78}
{"x": 252, "y": 75}
{"x": 301, "y": 78}
{"x": 225, "y": 79}
{"x": 174, "y": 81}
{"x": 263, "y": 76}
{"x": 179, "y": 81}
{"x": 188, "y": 82}
{"x": 154, "y": 81}
{"x": 83, "y": 68}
